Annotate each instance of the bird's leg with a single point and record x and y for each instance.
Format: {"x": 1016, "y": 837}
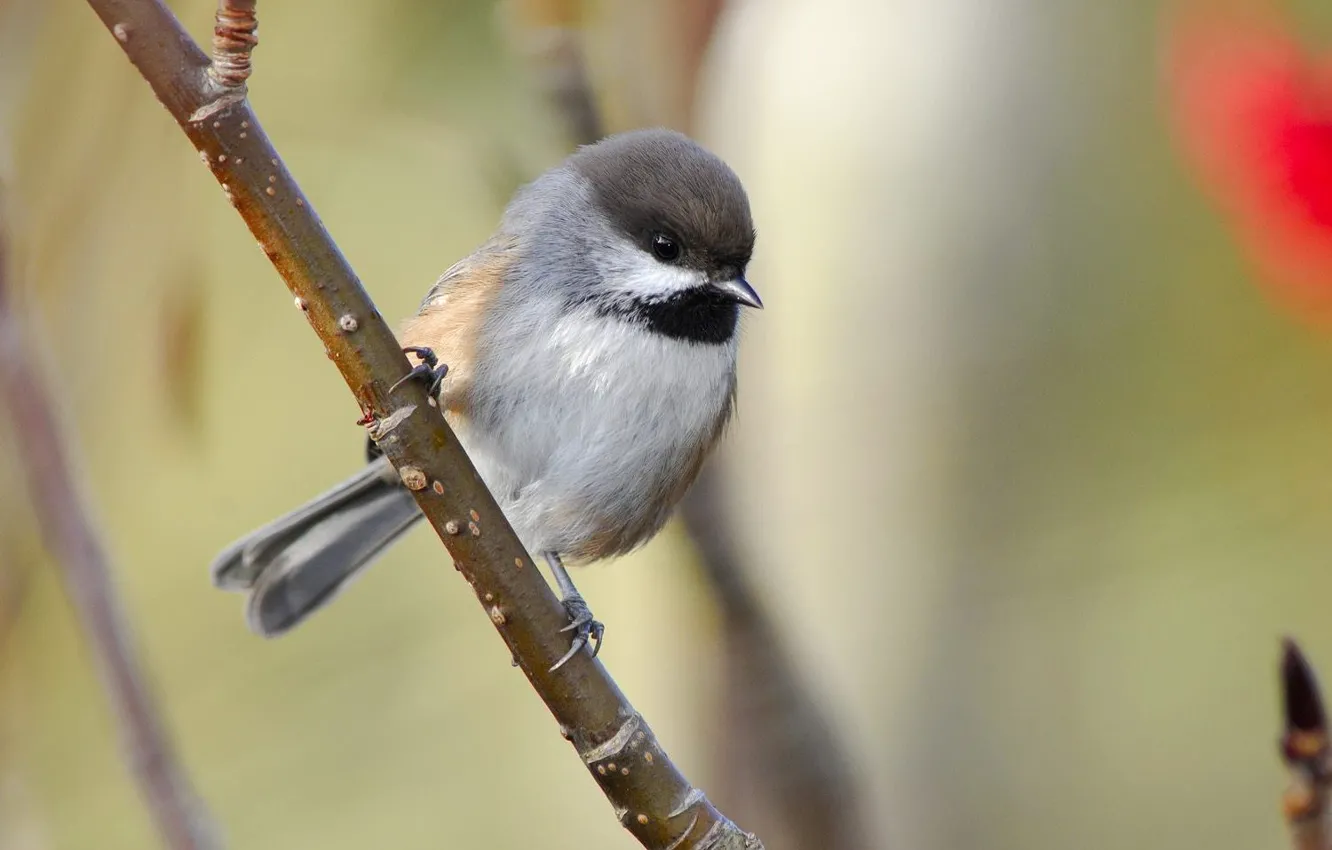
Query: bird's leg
{"x": 429, "y": 369}
{"x": 587, "y": 631}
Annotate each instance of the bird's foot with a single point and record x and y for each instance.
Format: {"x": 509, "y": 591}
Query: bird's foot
{"x": 587, "y": 631}
{"x": 429, "y": 369}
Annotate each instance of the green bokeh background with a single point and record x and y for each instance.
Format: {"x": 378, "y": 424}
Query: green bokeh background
{"x": 1033, "y": 472}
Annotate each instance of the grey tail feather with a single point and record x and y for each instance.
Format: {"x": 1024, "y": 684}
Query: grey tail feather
{"x": 297, "y": 563}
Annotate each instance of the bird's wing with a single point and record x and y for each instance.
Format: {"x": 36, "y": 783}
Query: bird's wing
{"x": 492, "y": 258}
{"x": 452, "y": 313}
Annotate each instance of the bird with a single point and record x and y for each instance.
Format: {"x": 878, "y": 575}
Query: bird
{"x": 585, "y": 355}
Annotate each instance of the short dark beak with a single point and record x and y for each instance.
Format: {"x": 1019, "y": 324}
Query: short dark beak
{"x": 738, "y": 290}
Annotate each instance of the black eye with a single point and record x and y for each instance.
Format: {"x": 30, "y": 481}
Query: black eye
{"x": 666, "y": 249}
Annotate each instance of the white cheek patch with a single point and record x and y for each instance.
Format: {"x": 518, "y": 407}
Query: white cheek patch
{"x": 636, "y": 272}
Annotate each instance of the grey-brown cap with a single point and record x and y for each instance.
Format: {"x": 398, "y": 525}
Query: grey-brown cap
{"x": 660, "y": 181}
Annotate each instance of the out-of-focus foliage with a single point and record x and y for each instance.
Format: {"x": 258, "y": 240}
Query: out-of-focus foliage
{"x": 1033, "y": 473}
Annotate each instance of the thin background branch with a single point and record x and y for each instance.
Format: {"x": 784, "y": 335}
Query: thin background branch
{"x": 1305, "y": 750}
{"x": 649, "y": 795}
{"x": 549, "y": 35}
{"x": 69, "y": 533}
{"x": 778, "y": 757}
{"x": 780, "y": 762}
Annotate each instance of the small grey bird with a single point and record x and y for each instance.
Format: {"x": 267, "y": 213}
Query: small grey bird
{"x": 585, "y": 355}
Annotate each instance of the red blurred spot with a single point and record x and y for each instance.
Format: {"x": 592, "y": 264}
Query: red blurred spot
{"x": 1253, "y": 110}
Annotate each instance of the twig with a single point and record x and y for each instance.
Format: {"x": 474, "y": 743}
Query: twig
{"x": 1305, "y": 750}
{"x": 779, "y": 754}
{"x": 780, "y": 763}
{"x": 650, "y": 796}
{"x": 697, "y": 22}
{"x": 549, "y": 35}
{"x": 179, "y": 815}
{"x": 235, "y": 35}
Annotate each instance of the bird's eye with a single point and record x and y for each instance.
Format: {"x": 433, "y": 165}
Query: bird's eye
{"x": 665, "y": 248}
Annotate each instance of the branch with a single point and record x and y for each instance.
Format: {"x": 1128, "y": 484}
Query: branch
{"x": 549, "y": 35}
{"x": 650, "y": 796}
{"x": 697, "y": 24}
{"x": 1305, "y": 750}
{"x": 780, "y": 754}
{"x": 178, "y": 814}
{"x": 779, "y": 762}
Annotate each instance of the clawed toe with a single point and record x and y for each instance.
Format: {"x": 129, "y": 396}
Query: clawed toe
{"x": 587, "y": 631}
{"x": 428, "y": 369}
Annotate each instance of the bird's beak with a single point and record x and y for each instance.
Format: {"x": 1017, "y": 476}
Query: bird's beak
{"x": 738, "y": 290}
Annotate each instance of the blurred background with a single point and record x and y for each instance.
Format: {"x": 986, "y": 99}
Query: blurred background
{"x": 1032, "y": 470}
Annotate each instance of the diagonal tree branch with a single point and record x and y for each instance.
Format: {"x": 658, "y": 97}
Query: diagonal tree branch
{"x": 1305, "y": 750}
{"x": 178, "y": 814}
{"x": 650, "y": 796}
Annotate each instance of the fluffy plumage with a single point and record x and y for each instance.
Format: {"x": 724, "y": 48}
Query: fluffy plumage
{"x": 588, "y": 377}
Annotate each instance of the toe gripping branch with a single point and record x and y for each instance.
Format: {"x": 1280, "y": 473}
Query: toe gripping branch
{"x": 429, "y": 369}
{"x": 587, "y": 631}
